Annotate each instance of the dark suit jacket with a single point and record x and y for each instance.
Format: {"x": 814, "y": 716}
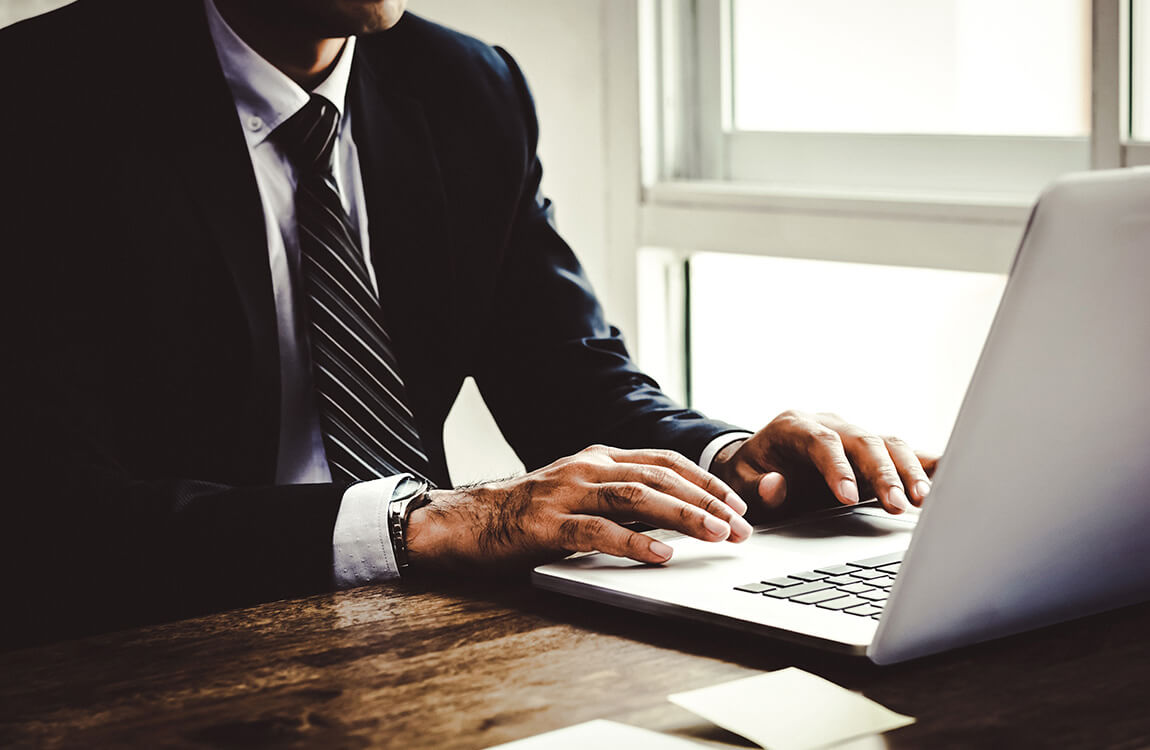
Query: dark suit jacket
{"x": 141, "y": 382}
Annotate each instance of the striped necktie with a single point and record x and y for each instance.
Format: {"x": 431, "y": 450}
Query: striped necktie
{"x": 368, "y": 429}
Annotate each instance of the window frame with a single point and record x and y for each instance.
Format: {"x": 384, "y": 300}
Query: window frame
{"x": 679, "y": 181}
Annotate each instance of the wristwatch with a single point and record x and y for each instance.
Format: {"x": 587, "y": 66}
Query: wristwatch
{"x": 410, "y": 494}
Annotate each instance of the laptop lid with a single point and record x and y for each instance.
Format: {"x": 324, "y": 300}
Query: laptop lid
{"x": 1041, "y": 507}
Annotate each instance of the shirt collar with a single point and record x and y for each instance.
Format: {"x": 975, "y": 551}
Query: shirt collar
{"x": 265, "y": 97}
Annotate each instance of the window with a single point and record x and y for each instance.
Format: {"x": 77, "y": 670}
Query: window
{"x": 889, "y": 347}
{"x": 953, "y": 67}
{"x": 1140, "y": 69}
{"x": 859, "y": 173}
{"x": 988, "y": 96}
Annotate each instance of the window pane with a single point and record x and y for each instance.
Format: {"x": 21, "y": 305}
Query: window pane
{"x": 889, "y": 348}
{"x": 969, "y": 67}
{"x": 1140, "y": 69}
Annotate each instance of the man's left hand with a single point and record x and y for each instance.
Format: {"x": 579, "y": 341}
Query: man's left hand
{"x": 817, "y": 456}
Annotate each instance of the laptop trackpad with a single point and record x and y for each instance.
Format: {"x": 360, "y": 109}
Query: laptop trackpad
{"x": 858, "y": 522}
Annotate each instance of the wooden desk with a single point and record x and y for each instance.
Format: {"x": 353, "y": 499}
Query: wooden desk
{"x": 484, "y": 664}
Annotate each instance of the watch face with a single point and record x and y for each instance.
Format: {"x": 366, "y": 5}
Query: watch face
{"x": 410, "y": 493}
{"x": 408, "y": 487}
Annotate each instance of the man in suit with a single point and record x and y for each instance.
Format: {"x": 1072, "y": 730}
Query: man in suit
{"x": 254, "y": 247}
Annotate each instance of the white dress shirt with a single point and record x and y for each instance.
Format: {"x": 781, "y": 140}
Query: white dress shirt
{"x": 265, "y": 98}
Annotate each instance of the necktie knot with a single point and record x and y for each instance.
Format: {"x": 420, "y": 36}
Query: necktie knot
{"x": 308, "y": 136}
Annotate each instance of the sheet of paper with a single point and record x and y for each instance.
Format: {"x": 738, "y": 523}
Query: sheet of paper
{"x": 601, "y": 735}
{"x": 790, "y": 710}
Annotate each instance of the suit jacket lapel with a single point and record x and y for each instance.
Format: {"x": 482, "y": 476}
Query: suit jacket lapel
{"x": 406, "y": 216}
{"x": 404, "y": 196}
{"x": 208, "y": 149}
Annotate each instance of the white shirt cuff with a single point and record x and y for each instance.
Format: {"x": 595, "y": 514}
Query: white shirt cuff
{"x": 361, "y": 544}
{"x": 718, "y": 444}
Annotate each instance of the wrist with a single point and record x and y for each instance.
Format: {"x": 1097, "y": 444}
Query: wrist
{"x": 408, "y": 495}
{"x": 722, "y": 465}
{"x": 430, "y": 536}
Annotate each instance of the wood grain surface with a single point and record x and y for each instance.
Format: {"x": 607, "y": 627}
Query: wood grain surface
{"x": 469, "y": 664}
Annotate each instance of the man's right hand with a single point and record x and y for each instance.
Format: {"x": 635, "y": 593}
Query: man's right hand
{"x": 576, "y": 505}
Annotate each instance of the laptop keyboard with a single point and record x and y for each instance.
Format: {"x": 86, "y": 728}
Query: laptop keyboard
{"x": 858, "y": 588}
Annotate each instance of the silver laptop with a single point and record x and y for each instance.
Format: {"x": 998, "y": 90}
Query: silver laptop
{"x": 1040, "y": 510}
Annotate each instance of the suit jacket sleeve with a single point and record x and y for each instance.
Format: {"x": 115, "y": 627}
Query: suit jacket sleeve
{"x": 556, "y": 375}
{"x": 89, "y": 544}
{"x": 92, "y": 540}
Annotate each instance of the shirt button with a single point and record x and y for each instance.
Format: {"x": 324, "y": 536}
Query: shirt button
{"x": 255, "y": 123}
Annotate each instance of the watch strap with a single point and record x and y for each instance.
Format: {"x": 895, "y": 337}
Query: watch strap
{"x": 410, "y": 494}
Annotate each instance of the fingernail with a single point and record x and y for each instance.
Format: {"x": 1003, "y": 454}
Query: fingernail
{"x": 740, "y": 525}
{"x": 922, "y": 489}
{"x": 737, "y": 503}
{"x": 896, "y": 498}
{"x": 849, "y": 491}
{"x": 660, "y": 550}
{"x": 717, "y": 526}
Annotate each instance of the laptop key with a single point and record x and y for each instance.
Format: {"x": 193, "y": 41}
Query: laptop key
{"x": 843, "y": 603}
{"x": 754, "y": 588}
{"x": 841, "y": 580}
{"x": 878, "y": 562}
{"x": 864, "y": 610}
{"x": 885, "y": 582}
{"x": 856, "y": 587}
{"x": 803, "y": 588}
{"x": 866, "y": 574}
{"x": 815, "y": 597}
{"x": 782, "y": 581}
{"x": 836, "y": 570}
{"x": 875, "y": 595}
{"x": 809, "y": 575}
{"x": 891, "y": 569}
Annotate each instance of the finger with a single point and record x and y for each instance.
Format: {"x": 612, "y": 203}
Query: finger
{"x": 597, "y": 534}
{"x": 685, "y": 468}
{"x": 632, "y": 501}
{"x": 670, "y": 483}
{"x": 824, "y": 448}
{"x": 773, "y": 489}
{"x": 870, "y": 454}
{"x": 929, "y": 463}
{"x": 913, "y": 474}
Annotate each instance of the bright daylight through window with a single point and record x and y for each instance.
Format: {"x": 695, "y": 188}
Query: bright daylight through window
{"x": 967, "y": 67}
{"x": 1140, "y": 69}
{"x": 907, "y": 137}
